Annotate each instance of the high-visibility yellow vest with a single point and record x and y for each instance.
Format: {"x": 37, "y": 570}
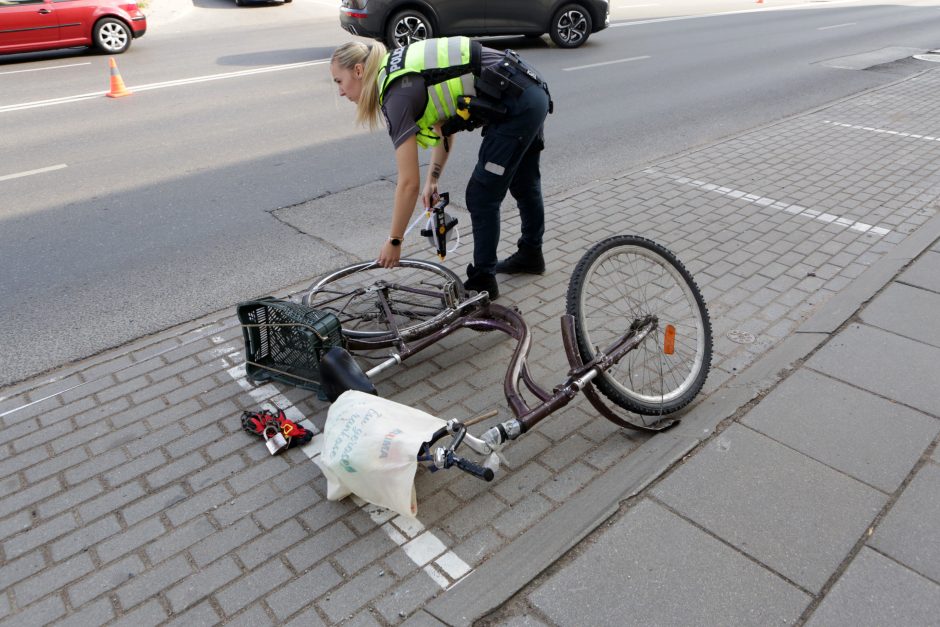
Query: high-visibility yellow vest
{"x": 447, "y": 66}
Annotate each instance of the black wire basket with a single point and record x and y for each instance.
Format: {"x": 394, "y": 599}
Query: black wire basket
{"x": 284, "y": 341}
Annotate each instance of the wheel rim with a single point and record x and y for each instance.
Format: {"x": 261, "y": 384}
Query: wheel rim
{"x": 572, "y": 26}
{"x": 627, "y": 283}
{"x": 409, "y": 30}
{"x": 113, "y": 36}
{"x": 352, "y": 295}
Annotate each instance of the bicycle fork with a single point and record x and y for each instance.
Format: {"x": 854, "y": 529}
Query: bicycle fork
{"x": 579, "y": 379}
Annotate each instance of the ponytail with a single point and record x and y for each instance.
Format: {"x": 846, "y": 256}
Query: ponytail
{"x": 370, "y": 56}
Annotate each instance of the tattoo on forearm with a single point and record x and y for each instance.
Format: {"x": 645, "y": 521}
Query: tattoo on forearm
{"x": 435, "y": 171}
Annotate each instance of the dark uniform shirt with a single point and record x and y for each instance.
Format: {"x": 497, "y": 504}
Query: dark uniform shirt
{"x": 407, "y": 97}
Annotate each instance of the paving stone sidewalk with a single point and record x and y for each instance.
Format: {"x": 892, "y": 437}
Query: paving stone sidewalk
{"x": 820, "y": 505}
{"x": 128, "y": 492}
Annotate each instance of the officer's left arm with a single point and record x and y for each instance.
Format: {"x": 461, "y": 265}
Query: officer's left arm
{"x": 406, "y": 194}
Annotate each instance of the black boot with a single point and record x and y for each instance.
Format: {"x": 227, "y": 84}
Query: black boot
{"x": 526, "y": 260}
{"x": 479, "y": 282}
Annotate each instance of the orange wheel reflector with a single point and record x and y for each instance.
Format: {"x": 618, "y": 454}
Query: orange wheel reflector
{"x": 669, "y": 340}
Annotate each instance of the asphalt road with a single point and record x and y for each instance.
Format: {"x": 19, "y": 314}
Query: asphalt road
{"x": 122, "y": 217}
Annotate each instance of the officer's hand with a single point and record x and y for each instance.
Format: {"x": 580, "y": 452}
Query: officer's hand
{"x": 429, "y": 195}
{"x": 389, "y": 255}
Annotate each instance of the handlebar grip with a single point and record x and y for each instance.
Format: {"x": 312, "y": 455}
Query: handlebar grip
{"x": 474, "y": 469}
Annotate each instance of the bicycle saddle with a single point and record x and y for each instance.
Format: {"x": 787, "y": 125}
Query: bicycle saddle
{"x": 340, "y": 372}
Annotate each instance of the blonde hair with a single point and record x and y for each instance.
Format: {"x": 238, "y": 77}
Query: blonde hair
{"x": 370, "y": 56}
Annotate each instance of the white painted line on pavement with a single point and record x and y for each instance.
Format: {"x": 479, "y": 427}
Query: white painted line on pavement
{"x": 50, "y": 102}
{"x": 742, "y": 11}
{"x": 40, "y": 69}
{"x": 227, "y": 75}
{"x": 163, "y": 85}
{"x": 584, "y": 67}
{"x": 836, "y": 26}
{"x": 419, "y": 544}
{"x": 883, "y": 130}
{"x": 763, "y": 201}
{"x": 270, "y": 398}
{"x": 50, "y": 168}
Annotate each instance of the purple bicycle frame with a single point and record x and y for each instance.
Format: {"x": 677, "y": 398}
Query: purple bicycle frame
{"x": 492, "y": 317}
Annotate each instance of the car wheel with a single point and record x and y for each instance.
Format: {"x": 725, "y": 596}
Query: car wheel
{"x": 571, "y": 26}
{"x": 407, "y": 27}
{"x": 112, "y": 36}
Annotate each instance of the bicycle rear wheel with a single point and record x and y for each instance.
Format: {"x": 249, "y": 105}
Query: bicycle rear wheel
{"x": 378, "y": 304}
{"x": 620, "y": 280}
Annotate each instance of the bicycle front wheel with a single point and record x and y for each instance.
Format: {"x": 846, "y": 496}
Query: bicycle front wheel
{"x": 378, "y": 304}
{"x": 623, "y": 279}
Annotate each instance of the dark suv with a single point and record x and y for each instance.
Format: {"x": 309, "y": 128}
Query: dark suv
{"x": 400, "y": 22}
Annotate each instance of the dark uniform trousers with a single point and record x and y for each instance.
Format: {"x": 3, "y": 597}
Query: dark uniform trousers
{"x": 509, "y": 161}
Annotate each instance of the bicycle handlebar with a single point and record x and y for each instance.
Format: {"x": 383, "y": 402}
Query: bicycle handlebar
{"x": 474, "y": 469}
{"x": 445, "y": 457}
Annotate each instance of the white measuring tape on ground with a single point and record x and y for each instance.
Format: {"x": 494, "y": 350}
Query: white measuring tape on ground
{"x": 770, "y": 203}
{"x": 421, "y": 546}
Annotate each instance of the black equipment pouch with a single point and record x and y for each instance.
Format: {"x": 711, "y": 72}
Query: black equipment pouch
{"x": 509, "y": 77}
{"x": 497, "y": 81}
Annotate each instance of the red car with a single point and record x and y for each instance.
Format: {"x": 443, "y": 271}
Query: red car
{"x": 30, "y": 25}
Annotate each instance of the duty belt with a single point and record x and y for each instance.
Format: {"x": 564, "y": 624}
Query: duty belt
{"x": 509, "y": 77}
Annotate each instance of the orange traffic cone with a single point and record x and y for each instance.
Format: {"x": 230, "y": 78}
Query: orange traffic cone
{"x": 759, "y": 2}
{"x": 118, "y": 89}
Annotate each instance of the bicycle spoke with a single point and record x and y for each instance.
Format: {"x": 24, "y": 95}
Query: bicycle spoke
{"x": 379, "y": 303}
{"x": 625, "y": 279}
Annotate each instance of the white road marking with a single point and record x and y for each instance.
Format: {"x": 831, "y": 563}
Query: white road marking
{"x": 50, "y": 102}
{"x": 742, "y": 11}
{"x": 40, "y": 69}
{"x": 836, "y": 26}
{"x": 50, "y": 168}
{"x": 162, "y": 85}
{"x": 419, "y": 544}
{"x": 763, "y": 201}
{"x": 883, "y": 130}
{"x": 635, "y": 6}
{"x": 583, "y": 67}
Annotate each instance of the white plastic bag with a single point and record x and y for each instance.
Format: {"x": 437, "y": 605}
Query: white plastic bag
{"x": 370, "y": 448}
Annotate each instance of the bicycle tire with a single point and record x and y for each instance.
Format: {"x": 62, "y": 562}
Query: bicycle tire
{"x": 624, "y": 278}
{"x": 421, "y": 293}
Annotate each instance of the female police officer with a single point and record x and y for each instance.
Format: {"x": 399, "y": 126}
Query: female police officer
{"x": 429, "y": 90}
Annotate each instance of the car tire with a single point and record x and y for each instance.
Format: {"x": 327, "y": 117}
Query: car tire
{"x": 406, "y": 27}
{"x": 239, "y": 3}
{"x": 112, "y": 36}
{"x": 571, "y": 26}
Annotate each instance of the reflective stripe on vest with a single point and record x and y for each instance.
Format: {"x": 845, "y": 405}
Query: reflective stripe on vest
{"x": 444, "y": 65}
